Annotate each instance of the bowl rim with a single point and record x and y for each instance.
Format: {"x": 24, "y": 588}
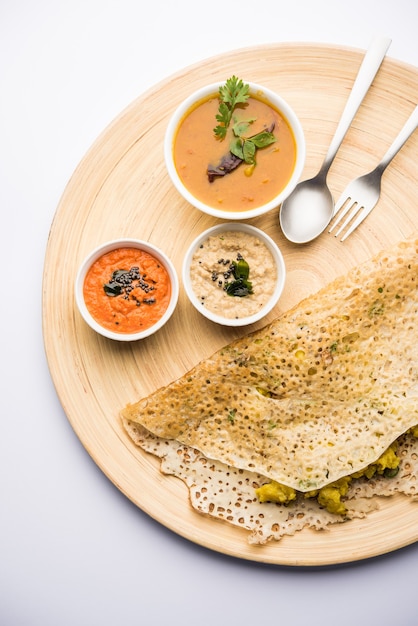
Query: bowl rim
{"x": 278, "y": 259}
{"x": 288, "y": 113}
{"x": 108, "y": 246}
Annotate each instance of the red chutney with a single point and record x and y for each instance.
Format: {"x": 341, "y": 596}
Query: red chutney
{"x": 127, "y": 290}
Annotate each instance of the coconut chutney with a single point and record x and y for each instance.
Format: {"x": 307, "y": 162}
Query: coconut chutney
{"x": 212, "y": 274}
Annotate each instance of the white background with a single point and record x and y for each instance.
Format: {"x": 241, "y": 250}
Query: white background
{"x": 73, "y": 550}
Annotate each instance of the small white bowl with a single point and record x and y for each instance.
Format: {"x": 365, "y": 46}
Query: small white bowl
{"x": 108, "y": 247}
{"x": 277, "y": 258}
{"x": 278, "y": 103}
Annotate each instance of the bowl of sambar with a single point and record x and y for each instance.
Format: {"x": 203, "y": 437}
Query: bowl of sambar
{"x": 234, "y": 150}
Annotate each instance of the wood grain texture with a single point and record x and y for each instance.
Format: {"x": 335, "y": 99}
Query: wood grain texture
{"x": 121, "y": 189}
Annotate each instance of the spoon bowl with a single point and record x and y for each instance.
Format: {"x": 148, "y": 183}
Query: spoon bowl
{"x": 307, "y": 211}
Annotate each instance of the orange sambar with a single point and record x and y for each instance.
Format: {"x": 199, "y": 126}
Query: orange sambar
{"x": 196, "y": 147}
{"x": 127, "y": 290}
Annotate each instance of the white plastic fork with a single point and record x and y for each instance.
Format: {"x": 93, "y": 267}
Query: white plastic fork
{"x": 362, "y": 194}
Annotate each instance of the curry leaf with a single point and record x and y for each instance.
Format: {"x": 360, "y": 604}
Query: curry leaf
{"x": 241, "y": 127}
{"x": 263, "y": 139}
{"x": 112, "y": 289}
{"x": 245, "y": 148}
{"x": 236, "y": 147}
{"x": 239, "y": 288}
{"x": 115, "y": 286}
{"x": 248, "y": 150}
{"x": 241, "y": 269}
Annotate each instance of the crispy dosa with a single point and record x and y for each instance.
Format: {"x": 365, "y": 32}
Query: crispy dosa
{"x": 228, "y": 494}
{"x": 316, "y": 395}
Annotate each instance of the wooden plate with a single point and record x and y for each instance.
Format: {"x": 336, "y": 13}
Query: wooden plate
{"x": 121, "y": 189}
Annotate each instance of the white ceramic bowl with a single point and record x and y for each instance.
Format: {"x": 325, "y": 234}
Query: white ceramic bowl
{"x": 278, "y": 260}
{"x": 125, "y": 243}
{"x": 286, "y": 111}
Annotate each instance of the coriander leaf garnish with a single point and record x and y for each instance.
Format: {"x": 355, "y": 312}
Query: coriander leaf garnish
{"x": 231, "y": 415}
{"x": 233, "y": 92}
{"x": 242, "y": 147}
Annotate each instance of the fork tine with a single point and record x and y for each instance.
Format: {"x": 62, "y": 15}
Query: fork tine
{"x": 349, "y": 204}
{"x": 359, "y": 219}
{"x": 356, "y": 209}
{"x": 344, "y": 197}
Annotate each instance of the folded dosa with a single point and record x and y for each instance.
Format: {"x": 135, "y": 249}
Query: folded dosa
{"x": 318, "y": 394}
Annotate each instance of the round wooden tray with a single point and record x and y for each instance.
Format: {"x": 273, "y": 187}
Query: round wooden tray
{"x": 121, "y": 188}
